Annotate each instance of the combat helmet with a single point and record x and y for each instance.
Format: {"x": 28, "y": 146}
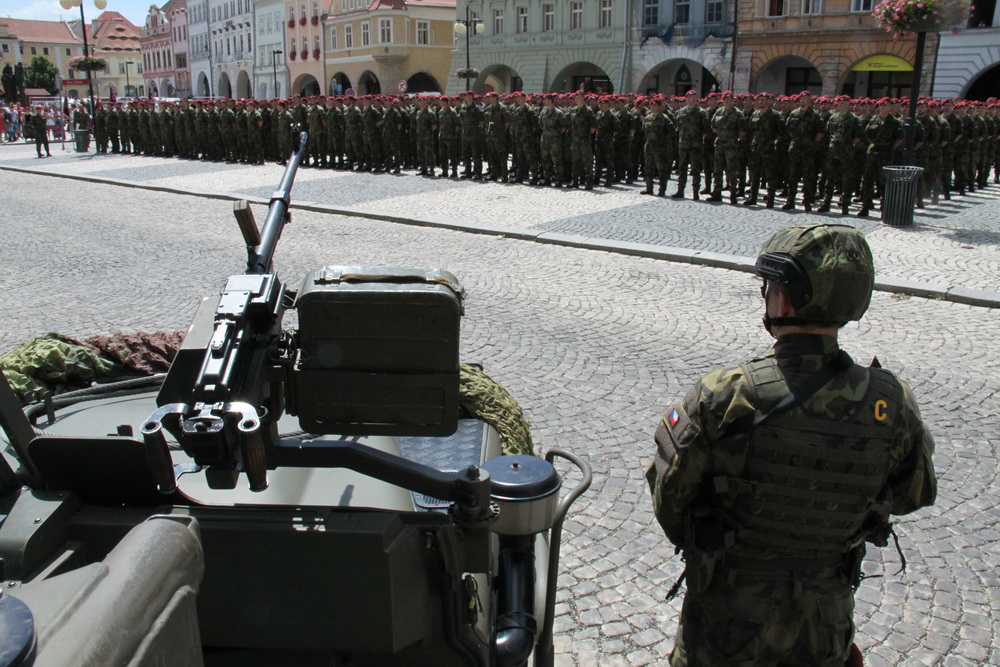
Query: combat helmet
{"x": 826, "y": 269}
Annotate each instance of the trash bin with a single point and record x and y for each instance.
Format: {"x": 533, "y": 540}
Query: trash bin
{"x": 82, "y": 140}
{"x": 899, "y": 197}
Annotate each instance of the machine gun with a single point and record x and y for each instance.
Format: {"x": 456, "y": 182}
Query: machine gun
{"x": 224, "y": 411}
{"x": 387, "y": 529}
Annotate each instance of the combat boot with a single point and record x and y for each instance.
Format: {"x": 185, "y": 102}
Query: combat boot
{"x": 844, "y": 208}
{"x": 648, "y": 190}
{"x": 751, "y": 200}
{"x": 694, "y": 191}
{"x": 863, "y": 213}
{"x": 662, "y": 192}
{"x": 769, "y": 202}
{"x": 715, "y": 196}
{"x": 824, "y": 207}
{"x": 789, "y": 205}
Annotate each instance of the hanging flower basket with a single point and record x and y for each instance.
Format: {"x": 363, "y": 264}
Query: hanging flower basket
{"x": 292, "y": 54}
{"x": 302, "y": 21}
{"x": 315, "y": 54}
{"x": 305, "y": 54}
{"x": 88, "y": 64}
{"x": 901, "y": 18}
{"x": 291, "y": 23}
{"x": 315, "y": 20}
{"x": 467, "y": 73}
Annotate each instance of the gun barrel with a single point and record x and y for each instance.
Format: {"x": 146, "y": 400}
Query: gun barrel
{"x": 261, "y": 256}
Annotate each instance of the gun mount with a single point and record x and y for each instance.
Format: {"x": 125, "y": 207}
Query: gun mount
{"x": 313, "y": 496}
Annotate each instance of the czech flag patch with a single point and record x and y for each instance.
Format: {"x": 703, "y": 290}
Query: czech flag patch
{"x": 673, "y": 418}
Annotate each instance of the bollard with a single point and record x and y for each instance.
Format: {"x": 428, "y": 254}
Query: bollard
{"x": 899, "y": 197}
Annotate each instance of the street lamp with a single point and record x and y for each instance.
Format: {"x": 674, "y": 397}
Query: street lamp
{"x": 127, "y": 86}
{"x": 462, "y": 28}
{"x": 274, "y": 70}
{"x": 100, "y": 4}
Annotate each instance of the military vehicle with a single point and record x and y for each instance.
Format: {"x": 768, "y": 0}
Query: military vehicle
{"x": 316, "y": 496}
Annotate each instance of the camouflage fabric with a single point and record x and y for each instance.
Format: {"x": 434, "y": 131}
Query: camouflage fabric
{"x": 838, "y": 263}
{"x": 769, "y": 610}
{"x": 52, "y": 363}
{"x": 483, "y": 397}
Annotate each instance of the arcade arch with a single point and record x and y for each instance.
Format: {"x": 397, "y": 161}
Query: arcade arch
{"x": 788, "y": 75}
{"x": 584, "y": 76}
{"x": 676, "y": 77}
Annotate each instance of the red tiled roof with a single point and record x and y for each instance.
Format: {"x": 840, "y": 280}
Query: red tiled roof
{"x": 41, "y": 31}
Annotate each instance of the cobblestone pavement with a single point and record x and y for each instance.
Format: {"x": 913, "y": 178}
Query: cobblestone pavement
{"x": 952, "y": 246}
{"x": 594, "y": 344}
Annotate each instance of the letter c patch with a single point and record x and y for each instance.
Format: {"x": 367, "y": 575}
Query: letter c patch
{"x": 880, "y": 407}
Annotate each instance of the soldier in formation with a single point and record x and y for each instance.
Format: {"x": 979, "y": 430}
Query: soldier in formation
{"x": 748, "y": 146}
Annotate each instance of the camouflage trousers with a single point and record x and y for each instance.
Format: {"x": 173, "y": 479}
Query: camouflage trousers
{"x": 766, "y": 621}
{"x": 658, "y": 162}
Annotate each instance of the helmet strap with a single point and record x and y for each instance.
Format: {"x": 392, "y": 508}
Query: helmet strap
{"x": 782, "y": 322}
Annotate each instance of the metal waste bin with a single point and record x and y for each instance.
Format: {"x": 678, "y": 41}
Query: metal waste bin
{"x": 899, "y": 197}
{"x": 82, "y": 140}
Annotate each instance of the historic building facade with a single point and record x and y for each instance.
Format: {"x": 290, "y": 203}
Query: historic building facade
{"x": 21, "y": 40}
{"x": 199, "y": 49}
{"x": 157, "y": 52}
{"x": 831, "y": 47}
{"x": 270, "y": 73}
{"x": 969, "y": 60}
{"x": 304, "y": 44}
{"x": 681, "y": 45}
{"x": 388, "y": 46}
{"x": 179, "y": 46}
{"x": 544, "y": 46}
{"x": 230, "y": 24}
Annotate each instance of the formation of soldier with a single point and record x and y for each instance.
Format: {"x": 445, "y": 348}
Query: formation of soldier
{"x": 756, "y": 148}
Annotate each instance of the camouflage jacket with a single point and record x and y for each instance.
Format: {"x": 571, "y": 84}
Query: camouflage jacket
{"x": 693, "y": 446}
{"x": 692, "y": 126}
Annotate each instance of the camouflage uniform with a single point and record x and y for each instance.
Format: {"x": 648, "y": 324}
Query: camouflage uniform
{"x": 471, "y": 116}
{"x": 843, "y": 130}
{"x": 883, "y": 135}
{"x": 765, "y": 125}
{"x": 692, "y": 126}
{"x": 113, "y": 123}
{"x": 426, "y": 126}
{"x": 772, "y": 514}
{"x": 660, "y": 132}
{"x": 101, "y": 129}
{"x": 803, "y": 125}
{"x": 392, "y": 138}
{"x": 583, "y": 124}
{"x": 497, "y": 123}
{"x": 604, "y": 145}
{"x": 552, "y": 122}
{"x": 524, "y": 139}
{"x": 449, "y": 140}
{"x": 729, "y": 126}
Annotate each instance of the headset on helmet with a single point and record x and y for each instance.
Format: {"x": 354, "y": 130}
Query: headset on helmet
{"x": 826, "y": 269}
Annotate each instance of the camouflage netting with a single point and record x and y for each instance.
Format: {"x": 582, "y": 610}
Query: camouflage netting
{"x": 485, "y": 398}
{"x": 58, "y": 363}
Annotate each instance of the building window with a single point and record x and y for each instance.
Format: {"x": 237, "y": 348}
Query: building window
{"x": 423, "y": 32}
{"x": 798, "y": 79}
{"x": 775, "y": 7}
{"x": 548, "y": 17}
{"x": 861, "y": 5}
{"x": 348, "y": 37}
{"x": 812, "y": 6}
{"x": 6, "y": 48}
{"x": 521, "y": 24}
{"x": 713, "y": 11}
{"x": 385, "y": 31}
{"x": 605, "y": 21}
{"x": 292, "y": 49}
{"x": 682, "y": 12}
{"x": 366, "y": 37}
{"x": 651, "y": 12}
{"x": 497, "y": 21}
{"x": 333, "y": 38}
{"x": 575, "y": 15}
{"x": 34, "y": 51}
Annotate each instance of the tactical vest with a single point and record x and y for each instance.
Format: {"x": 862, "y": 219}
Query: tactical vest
{"x": 811, "y": 484}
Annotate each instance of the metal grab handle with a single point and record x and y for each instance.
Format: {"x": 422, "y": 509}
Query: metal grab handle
{"x": 544, "y": 651}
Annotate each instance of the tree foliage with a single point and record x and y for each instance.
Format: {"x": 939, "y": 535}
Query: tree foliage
{"x": 41, "y": 73}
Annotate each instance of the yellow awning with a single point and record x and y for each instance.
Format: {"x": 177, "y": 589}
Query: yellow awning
{"x": 883, "y": 63}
